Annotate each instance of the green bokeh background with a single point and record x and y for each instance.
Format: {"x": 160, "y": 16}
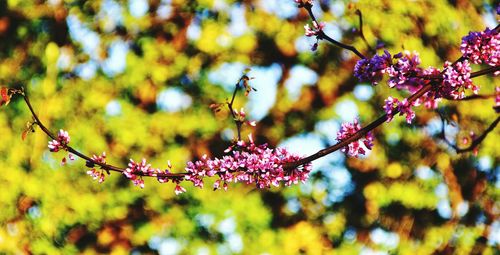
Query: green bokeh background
{"x": 391, "y": 203}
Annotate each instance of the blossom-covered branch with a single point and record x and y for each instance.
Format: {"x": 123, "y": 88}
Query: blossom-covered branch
{"x": 251, "y": 163}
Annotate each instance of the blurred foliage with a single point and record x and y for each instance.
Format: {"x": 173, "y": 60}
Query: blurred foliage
{"x": 133, "y": 79}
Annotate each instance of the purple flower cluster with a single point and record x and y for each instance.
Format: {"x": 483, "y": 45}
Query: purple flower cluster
{"x": 355, "y": 148}
{"x": 404, "y": 108}
{"x": 248, "y": 163}
{"x": 481, "y": 47}
{"x": 93, "y": 172}
{"x": 456, "y": 78}
{"x": 61, "y": 142}
{"x": 372, "y": 70}
{"x": 403, "y": 73}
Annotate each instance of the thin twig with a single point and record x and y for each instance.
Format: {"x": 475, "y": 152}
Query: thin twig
{"x": 358, "y": 135}
{"x": 230, "y": 106}
{"x": 70, "y": 149}
{"x": 322, "y": 35}
{"x": 474, "y": 143}
{"x": 360, "y": 15}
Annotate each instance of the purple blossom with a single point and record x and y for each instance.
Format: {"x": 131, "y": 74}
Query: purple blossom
{"x": 430, "y": 99}
{"x": 481, "y": 47}
{"x": 354, "y": 148}
{"x": 456, "y": 78}
{"x": 404, "y": 108}
{"x": 389, "y": 107}
{"x": 402, "y": 73}
{"x": 372, "y": 70}
{"x": 60, "y": 143}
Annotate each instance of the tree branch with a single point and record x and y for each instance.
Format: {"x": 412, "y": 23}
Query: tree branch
{"x": 475, "y": 142}
{"x": 322, "y": 35}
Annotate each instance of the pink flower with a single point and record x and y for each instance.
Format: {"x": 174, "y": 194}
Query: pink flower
{"x": 481, "y": 47}
{"x": 456, "y": 79}
{"x": 315, "y": 30}
{"x": 96, "y": 174}
{"x": 404, "y": 108}
{"x": 60, "y": 143}
{"x": 248, "y": 163}
{"x": 136, "y": 170}
{"x": 179, "y": 190}
{"x": 354, "y": 148}
{"x": 402, "y": 73}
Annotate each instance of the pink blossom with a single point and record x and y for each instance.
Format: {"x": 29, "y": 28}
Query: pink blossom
{"x": 481, "y": 47}
{"x": 315, "y": 30}
{"x": 403, "y": 73}
{"x": 404, "y": 108}
{"x": 456, "y": 78}
{"x": 178, "y": 189}
{"x": 354, "y": 148}
{"x": 136, "y": 170}
{"x": 248, "y": 163}
{"x": 96, "y": 174}
{"x": 61, "y": 142}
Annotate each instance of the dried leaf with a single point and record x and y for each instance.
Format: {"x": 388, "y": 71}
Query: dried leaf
{"x": 4, "y": 96}
{"x": 24, "y": 134}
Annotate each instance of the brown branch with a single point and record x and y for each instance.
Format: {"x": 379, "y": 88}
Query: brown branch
{"x": 230, "y": 106}
{"x": 474, "y": 143}
{"x": 360, "y": 15}
{"x": 70, "y": 149}
{"x": 358, "y": 135}
{"x": 473, "y": 97}
{"x": 322, "y": 35}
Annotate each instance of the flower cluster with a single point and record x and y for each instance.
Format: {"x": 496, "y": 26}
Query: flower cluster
{"x": 96, "y": 174}
{"x": 456, "y": 78}
{"x": 372, "y": 70}
{"x": 355, "y": 148}
{"x": 136, "y": 170}
{"x": 403, "y": 107}
{"x": 248, "y": 163}
{"x": 481, "y": 47}
{"x": 403, "y": 73}
{"x": 315, "y": 30}
{"x": 61, "y": 142}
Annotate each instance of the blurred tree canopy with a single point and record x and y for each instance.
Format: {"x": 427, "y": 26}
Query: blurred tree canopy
{"x": 135, "y": 79}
